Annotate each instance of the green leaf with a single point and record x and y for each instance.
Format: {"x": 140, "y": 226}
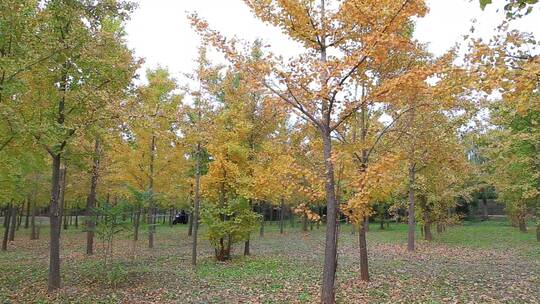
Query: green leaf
{"x": 484, "y": 3}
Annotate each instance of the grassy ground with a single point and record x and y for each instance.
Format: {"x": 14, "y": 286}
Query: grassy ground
{"x": 480, "y": 262}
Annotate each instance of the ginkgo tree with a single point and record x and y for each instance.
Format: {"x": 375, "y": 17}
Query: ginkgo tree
{"x": 148, "y": 152}
{"x": 340, "y": 39}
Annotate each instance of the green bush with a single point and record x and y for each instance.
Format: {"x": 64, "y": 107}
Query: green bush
{"x": 228, "y": 224}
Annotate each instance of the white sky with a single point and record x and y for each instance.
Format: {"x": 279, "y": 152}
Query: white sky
{"x": 160, "y": 33}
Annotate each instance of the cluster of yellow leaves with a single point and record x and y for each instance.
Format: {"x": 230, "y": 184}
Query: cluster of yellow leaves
{"x": 304, "y": 211}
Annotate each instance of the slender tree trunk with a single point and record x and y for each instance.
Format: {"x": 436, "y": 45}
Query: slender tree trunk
{"x": 27, "y": 218}
{"x": 19, "y": 217}
{"x": 538, "y": 232}
{"x": 67, "y": 216}
{"x": 196, "y": 203}
{"x": 77, "y": 219}
{"x": 91, "y": 199}
{"x": 439, "y": 228}
{"x": 281, "y": 215}
{"x": 362, "y": 244}
{"x": 13, "y": 216}
{"x": 54, "y": 218}
{"x": 304, "y": 223}
{"x": 291, "y": 217}
{"x": 411, "y": 223}
{"x": 485, "y": 214}
{"x": 7, "y": 220}
{"x": 330, "y": 252}
{"x": 522, "y": 224}
{"x": 246, "y": 246}
{"x": 263, "y": 221}
{"x": 427, "y": 227}
{"x": 136, "y": 224}
{"x": 61, "y": 196}
{"x": 152, "y": 211}
{"x": 33, "y": 234}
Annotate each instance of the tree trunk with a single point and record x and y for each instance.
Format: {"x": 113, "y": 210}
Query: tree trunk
{"x": 19, "y": 217}
{"x": 27, "y": 218}
{"x": 263, "y": 212}
{"x": 362, "y": 244}
{"x": 91, "y": 199}
{"x": 538, "y": 233}
{"x": 196, "y": 203}
{"x": 522, "y": 224}
{"x": 411, "y": 222}
{"x": 439, "y": 228}
{"x": 281, "y": 215}
{"x": 427, "y": 232}
{"x": 427, "y": 227}
{"x": 291, "y": 217}
{"x": 33, "y": 234}
{"x": 136, "y": 224}
{"x": 330, "y": 251}
{"x": 304, "y": 223}
{"x": 67, "y": 216}
{"x": 246, "y": 246}
{"x": 13, "y": 216}
{"x": 54, "y": 219}
{"x": 7, "y": 218}
{"x": 152, "y": 211}
{"x": 246, "y": 243}
{"x": 485, "y": 214}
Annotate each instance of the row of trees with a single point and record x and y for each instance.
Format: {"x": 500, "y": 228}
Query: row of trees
{"x": 362, "y": 122}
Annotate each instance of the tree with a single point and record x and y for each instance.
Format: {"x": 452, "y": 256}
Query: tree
{"x": 147, "y": 152}
{"x": 315, "y": 83}
{"x": 77, "y": 63}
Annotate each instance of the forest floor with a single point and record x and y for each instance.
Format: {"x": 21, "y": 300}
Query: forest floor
{"x": 475, "y": 262}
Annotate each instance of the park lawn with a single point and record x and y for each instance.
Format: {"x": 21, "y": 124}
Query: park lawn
{"x": 475, "y": 262}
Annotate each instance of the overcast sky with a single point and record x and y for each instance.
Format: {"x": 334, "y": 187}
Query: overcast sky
{"x": 160, "y": 33}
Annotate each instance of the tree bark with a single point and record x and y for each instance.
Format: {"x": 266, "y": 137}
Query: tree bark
{"x": 362, "y": 244}
{"x": 27, "y": 218}
{"x": 33, "y": 234}
{"x": 522, "y": 224}
{"x": 485, "y": 214}
{"x": 439, "y": 228}
{"x": 136, "y": 224}
{"x": 13, "y": 216}
{"x": 196, "y": 203}
{"x": 61, "y": 195}
{"x": 152, "y": 211}
{"x": 281, "y": 215}
{"x": 538, "y": 233}
{"x": 246, "y": 246}
{"x": 91, "y": 199}
{"x": 263, "y": 212}
{"x": 67, "y": 218}
{"x": 428, "y": 236}
{"x": 7, "y": 220}
{"x": 54, "y": 218}
{"x": 411, "y": 219}
{"x": 330, "y": 252}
